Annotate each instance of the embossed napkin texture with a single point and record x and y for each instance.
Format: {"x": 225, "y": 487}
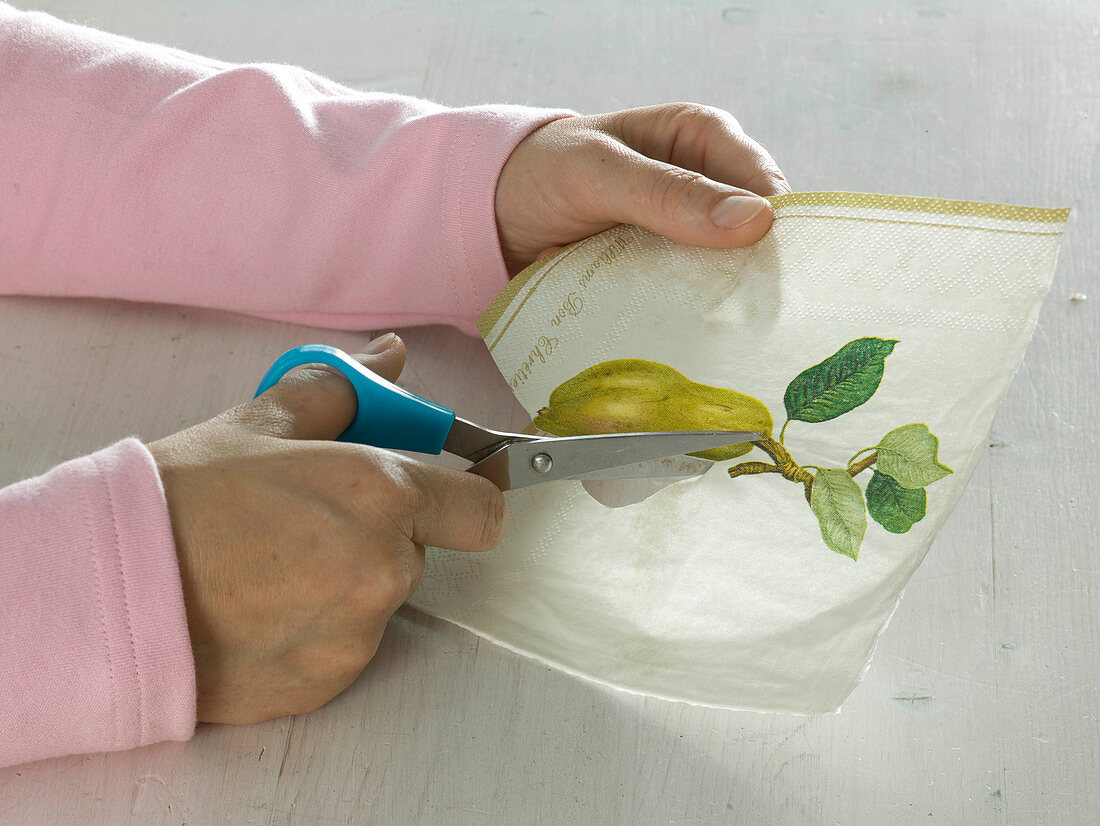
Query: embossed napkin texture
{"x": 881, "y": 332}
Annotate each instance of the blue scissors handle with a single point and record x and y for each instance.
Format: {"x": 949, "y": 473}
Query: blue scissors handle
{"x": 388, "y": 416}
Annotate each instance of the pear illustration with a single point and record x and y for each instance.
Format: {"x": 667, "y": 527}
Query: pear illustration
{"x": 635, "y": 395}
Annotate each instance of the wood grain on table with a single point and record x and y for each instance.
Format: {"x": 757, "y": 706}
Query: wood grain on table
{"x": 980, "y": 706}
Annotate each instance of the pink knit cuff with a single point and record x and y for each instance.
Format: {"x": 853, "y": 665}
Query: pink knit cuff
{"x": 455, "y": 207}
{"x": 483, "y": 143}
{"x": 94, "y": 648}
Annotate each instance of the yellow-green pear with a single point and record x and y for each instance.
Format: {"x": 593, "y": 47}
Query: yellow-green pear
{"x": 635, "y": 395}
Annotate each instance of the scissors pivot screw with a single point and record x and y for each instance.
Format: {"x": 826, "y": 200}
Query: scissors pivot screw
{"x": 541, "y": 463}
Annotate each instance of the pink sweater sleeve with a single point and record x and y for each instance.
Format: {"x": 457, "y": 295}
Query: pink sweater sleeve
{"x": 94, "y": 651}
{"x": 140, "y": 172}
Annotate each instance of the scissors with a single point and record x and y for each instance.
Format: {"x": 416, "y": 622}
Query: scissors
{"x": 392, "y": 417}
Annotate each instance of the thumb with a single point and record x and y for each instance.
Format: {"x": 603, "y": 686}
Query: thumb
{"x": 316, "y": 401}
{"x": 683, "y": 205}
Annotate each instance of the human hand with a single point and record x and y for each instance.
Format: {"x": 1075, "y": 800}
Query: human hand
{"x": 668, "y": 168}
{"x": 295, "y": 552}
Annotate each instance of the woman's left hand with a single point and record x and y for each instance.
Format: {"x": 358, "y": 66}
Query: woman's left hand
{"x": 686, "y": 171}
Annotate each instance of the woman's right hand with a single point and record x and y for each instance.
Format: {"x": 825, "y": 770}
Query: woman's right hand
{"x": 295, "y": 550}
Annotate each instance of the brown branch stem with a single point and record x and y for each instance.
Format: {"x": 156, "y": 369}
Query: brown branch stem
{"x": 746, "y": 468}
{"x": 790, "y": 469}
{"x": 863, "y": 464}
{"x": 784, "y": 464}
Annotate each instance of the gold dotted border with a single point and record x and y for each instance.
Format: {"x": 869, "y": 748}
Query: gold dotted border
{"x": 936, "y": 206}
{"x": 488, "y": 319}
{"x": 864, "y": 200}
{"x": 865, "y": 220}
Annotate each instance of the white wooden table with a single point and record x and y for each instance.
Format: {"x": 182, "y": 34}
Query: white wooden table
{"x": 980, "y": 706}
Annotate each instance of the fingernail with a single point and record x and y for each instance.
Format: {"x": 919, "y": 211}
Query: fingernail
{"x": 380, "y": 345}
{"x": 736, "y": 210}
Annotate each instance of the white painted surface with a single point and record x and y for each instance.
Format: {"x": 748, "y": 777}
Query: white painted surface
{"x": 981, "y": 704}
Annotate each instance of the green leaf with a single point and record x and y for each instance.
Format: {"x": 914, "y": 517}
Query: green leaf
{"x": 842, "y": 382}
{"x": 837, "y": 502}
{"x": 895, "y": 508}
{"x": 909, "y": 454}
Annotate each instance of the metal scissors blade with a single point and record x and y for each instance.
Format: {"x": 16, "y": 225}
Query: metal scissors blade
{"x": 667, "y": 467}
{"x": 530, "y": 460}
{"x": 389, "y": 416}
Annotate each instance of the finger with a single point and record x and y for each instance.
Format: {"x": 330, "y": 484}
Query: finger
{"x": 677, "y": 203}
{"x": 317, "y": 401}
{"x": 546, "y": 253}
{"x": 702, "y": 139}
{"x": 384, "y": 355}
{"x": 453, "y": 509}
